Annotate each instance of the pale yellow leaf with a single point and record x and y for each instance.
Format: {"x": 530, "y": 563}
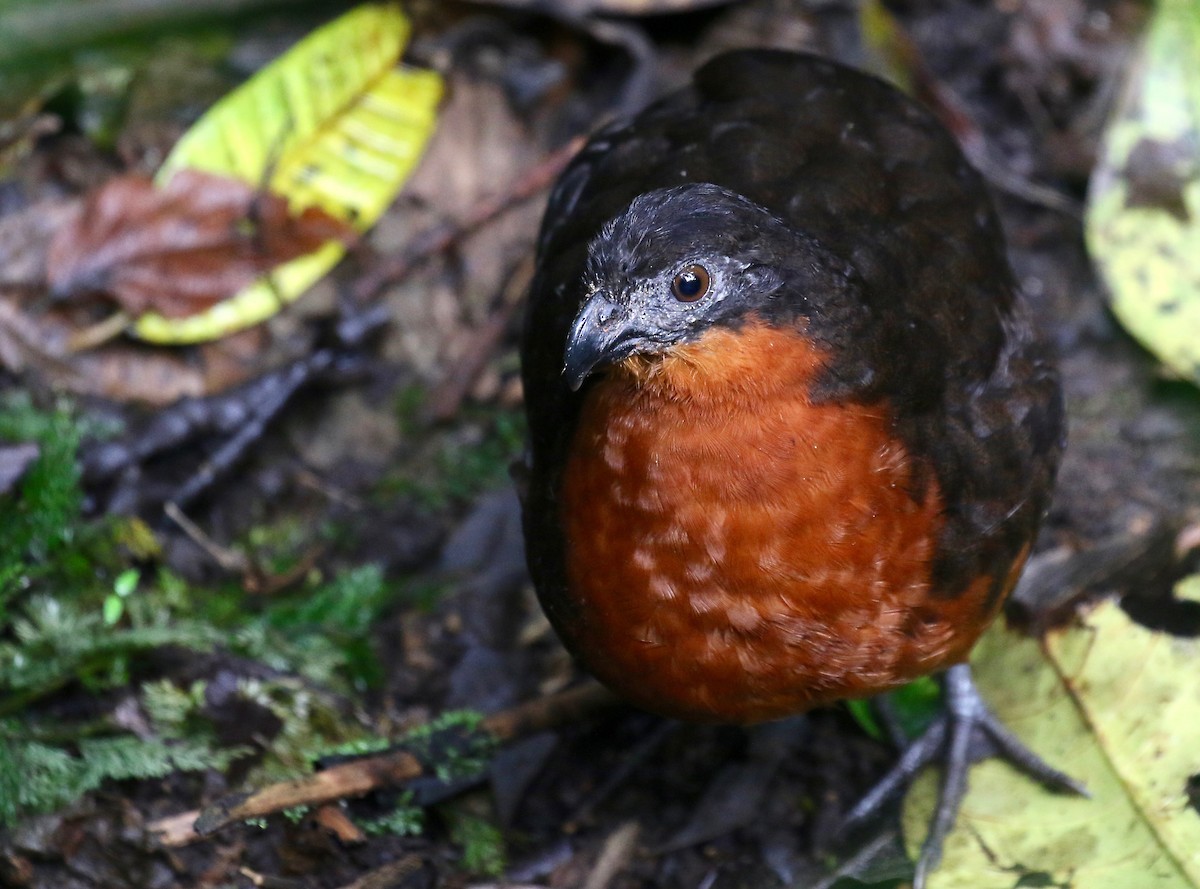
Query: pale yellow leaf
{"x": 332, "y": 123}
{"x": 1143, "y": 215}
{"x": 1115, "y": 705}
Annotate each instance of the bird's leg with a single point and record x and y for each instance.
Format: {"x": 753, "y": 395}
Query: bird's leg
{"x": 966, "y": 731}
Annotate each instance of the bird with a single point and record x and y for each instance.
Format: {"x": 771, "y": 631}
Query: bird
{"x": 792, "y": 429}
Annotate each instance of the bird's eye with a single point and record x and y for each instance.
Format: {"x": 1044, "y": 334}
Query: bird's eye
{"x": 691, "y": 284}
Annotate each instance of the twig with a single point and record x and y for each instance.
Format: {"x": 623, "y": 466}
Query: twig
{"x": 306, "y": 478}
{"x": 229, "y": 560}
{"x": 389, "y": 875}
{"x": 953, "y": 112}
{"x": 357, "y": 777}
{"x": 441, "y": 238}
{"x": 266, "y": 881}
{"x": 615, "y": 856}
{"x": 479, "y": 347}
{"x": 240, "y": 417}
{"x": 950, "y": 109}
{"x": 1054, "y": 581}
{"x": 549, "y": 712}
{"x": 333, "y": 819}
{"x": 259, "y": 582}
{"x": 255, "y": 580}
{"x": 99, "y": 333}
{"x": 231, "y": 452}
{"x": 855, "y": 864}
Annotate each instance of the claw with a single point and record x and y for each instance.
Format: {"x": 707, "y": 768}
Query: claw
{"x": 966, "y": 721}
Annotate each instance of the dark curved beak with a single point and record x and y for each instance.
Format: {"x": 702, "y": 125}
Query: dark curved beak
{"x": 603, "y": 333}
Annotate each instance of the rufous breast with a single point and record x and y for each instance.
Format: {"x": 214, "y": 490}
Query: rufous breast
{"x": 737, "y": 552}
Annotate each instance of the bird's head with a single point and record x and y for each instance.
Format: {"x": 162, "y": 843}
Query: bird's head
{"x": 674, "y": 264}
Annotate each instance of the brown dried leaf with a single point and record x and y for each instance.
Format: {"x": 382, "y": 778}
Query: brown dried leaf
{"x": 127, "y": 372}
{"x": 36, "y": 344}
{"x": 180, "y": 249}
{"x": 25, "y": 237}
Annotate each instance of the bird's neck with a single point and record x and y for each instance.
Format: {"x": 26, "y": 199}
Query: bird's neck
{"x": 728, "y": 363}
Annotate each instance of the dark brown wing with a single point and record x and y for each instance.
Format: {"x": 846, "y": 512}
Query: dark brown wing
{"x": 941, "y": 337}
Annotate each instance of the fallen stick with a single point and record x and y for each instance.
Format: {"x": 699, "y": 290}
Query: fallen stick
{"x": 439, "y": 239}
{"x": 360, "y": 776}
{"x": 449, "y": 395}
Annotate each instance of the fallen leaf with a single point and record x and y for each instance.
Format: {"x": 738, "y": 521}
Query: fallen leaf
{"x": 25, "y": 237}
{"x": 1143, "y": 215}
{"x": 180, "y": 249}
{"x": 1117, "y": 706}
{"x": 334, "y": 124}
{"x": 1140, "y": 692}
{"x": 128, "y": 372}
{"x": 35, "y": 344}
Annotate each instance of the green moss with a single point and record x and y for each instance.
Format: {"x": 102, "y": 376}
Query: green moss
{"x": 74, "y": 612}
{"x": 453, "y": 466}
{"x": 81, "y": 602}
{"x": 331, "y": 624}
{"x": 40, "y": 519}
{"x": 468, "y": 468}
{"x": 311, "y": 722}
{"x": 37, "y": 777}
{"x": 455, "y": 744}
{"x": 406, "y": 819}
{"x": 482, "y": 844}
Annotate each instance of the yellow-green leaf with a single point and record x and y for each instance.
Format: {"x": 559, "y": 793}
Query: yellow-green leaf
{"x": 1143, "y": 218}
{"x": 332, "y": 123}
{"x": 890, "y": 49}
{"x": 1117, "y": 706}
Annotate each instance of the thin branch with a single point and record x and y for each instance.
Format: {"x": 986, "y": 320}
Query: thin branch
{"x": 358, "y": 777}
{"x": 481, "y": 345}
{"x": 442, "y": 238}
